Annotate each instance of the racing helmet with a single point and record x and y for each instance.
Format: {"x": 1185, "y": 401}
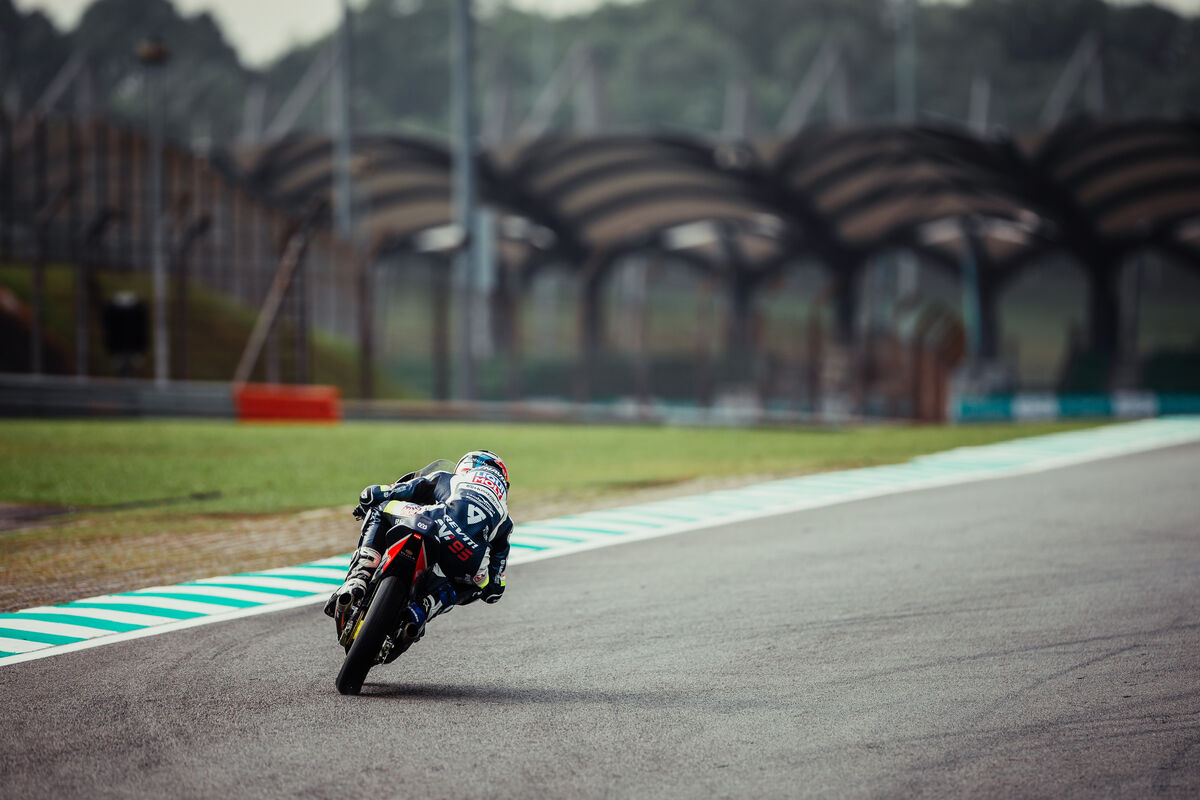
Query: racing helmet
{"x": 477, "y": 458}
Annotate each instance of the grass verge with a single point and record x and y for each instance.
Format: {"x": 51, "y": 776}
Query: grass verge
{"x": 157, "y": 501}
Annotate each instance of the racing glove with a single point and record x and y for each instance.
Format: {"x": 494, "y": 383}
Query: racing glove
{"x": 373, "y": 495}
{"x": 376, "y": 495}
{"x": 493, "y": 590}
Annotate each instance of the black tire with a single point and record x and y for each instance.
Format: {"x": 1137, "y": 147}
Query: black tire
{"x": 382, "y": 618}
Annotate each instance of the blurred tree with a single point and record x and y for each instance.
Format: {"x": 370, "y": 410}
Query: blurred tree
{"x": 207, "y": 82}
{"x": 664, "y": 62}
{"x": 1034, "y": 29}
{"x": 31, "y": 53}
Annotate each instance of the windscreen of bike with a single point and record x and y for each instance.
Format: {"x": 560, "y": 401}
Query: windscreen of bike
{"x": 437, "y": 465}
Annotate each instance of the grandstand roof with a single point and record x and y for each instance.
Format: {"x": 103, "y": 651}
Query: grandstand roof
{"x": 841, "y": 194}
{"x": 603, "y": 195}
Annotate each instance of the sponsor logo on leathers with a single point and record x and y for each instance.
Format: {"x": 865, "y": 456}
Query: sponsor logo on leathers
{"x": 464, "y": 487}
{"x": 490, "y": 479}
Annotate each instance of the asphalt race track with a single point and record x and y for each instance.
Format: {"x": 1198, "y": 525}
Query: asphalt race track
{"x": 1031, "y": 636}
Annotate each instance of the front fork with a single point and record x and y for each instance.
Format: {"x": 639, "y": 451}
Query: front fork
{"x": 348, "y": 624}
{"x": 351, "y": 620}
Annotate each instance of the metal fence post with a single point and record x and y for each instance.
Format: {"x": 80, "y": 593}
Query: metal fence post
{"x": 38, "y": 288}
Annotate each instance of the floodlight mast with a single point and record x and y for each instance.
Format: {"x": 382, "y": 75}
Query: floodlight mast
{"x": 343, "y": 201}
{"x": 153, "y": 55}
{"x": 343, "y": 196}
{"x": 906, "y": 60}
{"x": 462, "y": 98}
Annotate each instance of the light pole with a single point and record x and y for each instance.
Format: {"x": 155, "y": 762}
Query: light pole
{"x": 901, "y": 275}
{"x": 153, "y": 56}
{"x": 906, "y": 60}
{"x": 462, "y": 99}
{"x": 342, "y": 190}
{"x": 343, "y": 195}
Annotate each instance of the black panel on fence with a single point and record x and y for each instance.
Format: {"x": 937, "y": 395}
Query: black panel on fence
{"x": 126, "y": 325}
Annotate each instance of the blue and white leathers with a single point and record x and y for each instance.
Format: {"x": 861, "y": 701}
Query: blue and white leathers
{"x": 470, "y": 510}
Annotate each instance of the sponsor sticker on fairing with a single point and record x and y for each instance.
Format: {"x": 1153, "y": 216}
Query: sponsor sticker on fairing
{"x": 401, "y": 508}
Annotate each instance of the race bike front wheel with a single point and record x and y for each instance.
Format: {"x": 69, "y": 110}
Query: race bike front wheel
{"x": 383, "y": 617}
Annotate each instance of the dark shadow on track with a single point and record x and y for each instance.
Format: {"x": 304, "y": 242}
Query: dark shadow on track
{"x": 559, "y": 696}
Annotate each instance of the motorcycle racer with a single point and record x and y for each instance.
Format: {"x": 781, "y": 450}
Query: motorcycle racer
{"x": 467, "y": 515}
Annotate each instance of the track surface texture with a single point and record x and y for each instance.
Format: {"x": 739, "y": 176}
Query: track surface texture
{"x": 1032, "y": 636}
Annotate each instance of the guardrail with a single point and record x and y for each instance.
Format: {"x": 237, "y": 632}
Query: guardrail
{"x": 64, "y": 396}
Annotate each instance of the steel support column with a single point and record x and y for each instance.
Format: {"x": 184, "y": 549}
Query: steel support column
{"x": 440, "y": 289}
{"x": 591, "y": 332}
{"x": 41, "y": 212}
{"x": 1104, "y": 309}
{"x": 845, "y": 304}
{"x": 463, "y": 113}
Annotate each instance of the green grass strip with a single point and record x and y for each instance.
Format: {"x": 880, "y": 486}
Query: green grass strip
{"x": 71, "y": 619}
{"x": 264, "y": 469}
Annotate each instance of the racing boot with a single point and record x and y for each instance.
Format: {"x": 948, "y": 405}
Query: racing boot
{"x": 364, "y": 562}
{"x": 442, "y": 597}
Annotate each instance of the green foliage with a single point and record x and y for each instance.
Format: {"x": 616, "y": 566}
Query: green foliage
{"x": 218, "y": 329}
{"x": 205, "y": 79}
{"x": 31, "y": 52}
{"x": 665, "y": 62}
{"x": 1034, "y": 30}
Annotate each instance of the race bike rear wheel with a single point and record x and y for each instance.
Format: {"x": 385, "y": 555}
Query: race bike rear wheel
{"x": 383, "y": 617}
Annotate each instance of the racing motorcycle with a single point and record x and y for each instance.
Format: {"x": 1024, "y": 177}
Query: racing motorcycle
{"x": 373, "y": 630}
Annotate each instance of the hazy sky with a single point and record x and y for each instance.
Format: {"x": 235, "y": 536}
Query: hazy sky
{"x": 262, "y": 29}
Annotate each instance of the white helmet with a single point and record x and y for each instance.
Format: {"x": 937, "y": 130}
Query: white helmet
{"x": 477, "y": 458}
